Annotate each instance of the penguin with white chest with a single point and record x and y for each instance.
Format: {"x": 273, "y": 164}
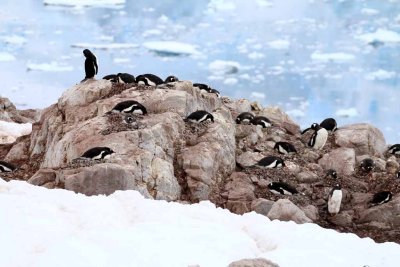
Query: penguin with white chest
{"x": 91, "y": 67}
{"x": 200, "y": 116}
{"x": 149, "y": 79}
{"x": 394, "y": 149}
{"x": 171, "y": 79}
{"x": 262, "y": 121}
{"x": 204, "y": 88}
{"x": 319, "y": 137}
{"x": 129, "y": 106}
{"x": 282, "y": 188}
{"x": 98, "y": 153}
{"x": 381, "y": 198}
{"x": 244, "y": 118}
{"x": 270, "y": 162}
{"x": 7, "y": 167}
{"x": 125, "y": 78}
{"x": 285, "y": 148}
{"x": 335, "y": 200}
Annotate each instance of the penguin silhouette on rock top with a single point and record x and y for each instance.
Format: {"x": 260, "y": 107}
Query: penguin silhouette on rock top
{"x": 91, "y": 67}
{"x": 329, "y": 124}
{"x": 171, "y": 79}
{"x": 319, "y": 137}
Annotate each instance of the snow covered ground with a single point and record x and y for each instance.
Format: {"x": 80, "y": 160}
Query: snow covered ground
{"x": 41, "y": 227}
{"x": 10, "y": 131}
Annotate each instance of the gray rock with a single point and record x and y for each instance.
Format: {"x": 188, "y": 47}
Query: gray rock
{"x": 392, "y": 166}
{"x": 364, "y": 138}
{"x": 280, "y": 119}
{"x": 285, "y": 210}
{"x": 344, "y": 219}
{"x": 386, "y": 214}
{"x": 311, "y": 212}
{"x": 248, "y": 158}
{"x": 262, "y": 206}
{"x": 43, "y": 176}
{"x": 341, "y": 159}
{"x": 308, "y": 177}
{"x": 257, "y": 262}
{"x": 240, "y": 190}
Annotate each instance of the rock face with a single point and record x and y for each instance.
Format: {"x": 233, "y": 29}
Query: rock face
{"x": 166, "y": 158}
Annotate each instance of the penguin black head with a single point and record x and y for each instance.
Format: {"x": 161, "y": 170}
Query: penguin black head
{"x": 331, "y": 173}
{"x": 315, "y": 126}
{"x": 329, "y": 124}
{"x": 394, "y": 149}
{"x": 244, "y": 117}
{"x": 87, "y": 53}
{"x": 337, "y": 187}
{"x": 367, "y": 165}
{"x": 171, "y": 79}
{"x": 214, "y": 91}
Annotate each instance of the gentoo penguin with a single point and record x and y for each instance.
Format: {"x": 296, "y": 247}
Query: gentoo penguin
{"x": 335, "y": 199}
{"x": 204, "y": 88}
{"x": 130, "y": 106}
{"x": 329, "y": 124}
{"x": 319, "y": 137}
{"x": 91, "y": 67}
{"x": 125, "y": 78}
{"x": 214, "y": 91}
{"x": 149, "y": 79}
{"x": 200, "y": 116}
{"x": 97, "y": 153}
{"x": 171, "y": 79}
{"x": 7, "y": 167}
{"x": 111, "y": 77}
{"x": 380, "y": 198}
{"x": 244, "y": 118}
{"x": 270, "y": 162}
{"x": 264, "y": 122}
{"x": 282, "y": 188}
{"x": 331, "y": 173}
{"x": 367, "y": 165}
{"x": 285, "y": 148}
{"x": 394, "y": 149}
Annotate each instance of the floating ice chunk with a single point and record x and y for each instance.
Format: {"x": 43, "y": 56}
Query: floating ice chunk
{"x": 105, "y": 46}
{"x": 369, "y": 11}
{"x": 258, "y": 95}
{"x": 50, "y": 67}
{"x": 380, "y": 75}
{"x": 14, "y": 39}
{"x": 6, "y": 57}
{"x": 121, "y": 60}
{"x": 221, "y": 5}
{"x": 151, "y": 32}
{"x": 222, "y": 67}
{"x": 256, "y": 55}
{"x": 10, "y": 131}
{"x": 349, "y": 112}
{"x": 230, "y": 81}
{"x": 171, "y": 48}
{"x": 380, "y": 35}
{"x": 75, "y": 3}
{"x": 337, "y": 57}
{"x": 279, "y": 44}
{"x": 264, "y": 3}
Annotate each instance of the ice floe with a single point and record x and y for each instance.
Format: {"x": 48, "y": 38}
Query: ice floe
{"x": 222, "y": 67}
{"x": 380, "y": 35}
{"x": 105, "y": 46}
{"x": 279, "y": 44}
{"x": 78, "y": 3}
{"x": 347, "y": 112}
{"x": 50, "y": 67}
{"x": 380, "y": 75}
{"x": 171, "y": 48}
{"x": 336, "y": 57}
{"x": 4, "y": 57}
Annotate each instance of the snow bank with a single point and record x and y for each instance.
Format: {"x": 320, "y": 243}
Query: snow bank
{"x": 380, "y": 35}
{"x": 4, "y": 57}
{"x": 41, "y": 227}
{"x": 222, "y": 67}
{"x": 10, "y": 131}
{"x": 337, "y": 57}
{"x": 50, "y": 67}
{"x": 171, "y": 48}
{"x": 75, "y": 3}
{"x": 105, "y": 46}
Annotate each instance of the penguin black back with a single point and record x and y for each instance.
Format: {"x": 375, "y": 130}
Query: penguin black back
{"x": 7, "y": 167}
{"x": 98, "y": 153}
{"x": 381, "y": 198}
{"x": 149, "y": 79}
{"x": 271, "y": 162}
{"x": 202, "y": 86}
{"x": 125, "y": 78}
{"x": 171, "y": 79}
{"x": 282, "y": 188}
{"x": 331, "y": 173}
{"x": 285, "y": 148}
{"x": 200, "y": 116}
{"x": 91, "y": 67}
{"x": 367, "y": 165}
{"x": 394, "y": 149}
{"x": 262, "y": 121}
{"x": 329, "y": 124}
{"x": 111, "y": 77}
{"x": 130, "y": 106}
{"x": 244, "y": 117}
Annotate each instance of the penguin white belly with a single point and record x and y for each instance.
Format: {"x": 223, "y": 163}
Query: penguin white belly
{"x": 138, "y": 111}
{"x": 271, "y": 165}
{"x": 98, "y": 156}
{"x": 320, "y": 139}
{"x": 266, "y": 124}
{"x": 246, "y": 121}
{"x": 282, "y": 150}
{"x": 334, "y": 202}
{"x": 142, "y": 83}
{"x": 107, "y": 157}
{"x": 120, "y": 80}
{"x": 285, "y": 192}
{"x": 6, "y": 169}
{"x": 203, "y": 118}
{"x": 129, "y": 109}
{"x": 150, "y": 82}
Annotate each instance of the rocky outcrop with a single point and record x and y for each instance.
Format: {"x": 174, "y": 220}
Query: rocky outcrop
{"x": 342, "y": 160}
{"x": 285, "y": 210}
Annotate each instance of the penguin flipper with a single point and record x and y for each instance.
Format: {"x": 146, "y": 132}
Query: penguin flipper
{"x": 306, "y": 130}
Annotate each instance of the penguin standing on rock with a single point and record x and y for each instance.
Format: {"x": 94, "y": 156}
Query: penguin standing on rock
{"x": 171, "y": 79}
{"x": 319, "y": 137}
{"x": 335, "y": 200}
{"x": 282, "y": 188}
{"x": 262, "y": 121}
{"x": 381, "y": 198}
{"x": 98, "y": 153}
{"x": 91, "y": 67}
{"x": 244, "y": 118}
{"x": 285, "y": 148}
{"x": 367, "y": 165}
{"x": 200, "y": 116}
{"x": 149, "y": 79}
{"x": 329, "y": 124}
{"x": 270, "y": 162}
{"x": 7, "y": 167}
{"x": 129, "y": 106}
{"x": 394, "y": 149}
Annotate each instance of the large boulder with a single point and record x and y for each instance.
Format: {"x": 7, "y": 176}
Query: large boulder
{"x": 285, "y": 210}
{"x": 342, "y": 160}
{"x": 240, "y": 193}
{"x": 387, "y": 214}
{"x": 363, "y": 138}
